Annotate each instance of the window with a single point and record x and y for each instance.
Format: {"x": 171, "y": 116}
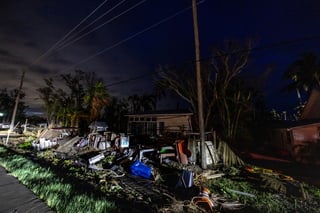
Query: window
{"x": 141, "y": 119}
{"x": 161, "y": 128}
{"x": 152, "y": 128}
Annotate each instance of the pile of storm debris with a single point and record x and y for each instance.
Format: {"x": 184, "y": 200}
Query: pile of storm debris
{"x": 51, "y": 137}
{"x": 140, "y": 167}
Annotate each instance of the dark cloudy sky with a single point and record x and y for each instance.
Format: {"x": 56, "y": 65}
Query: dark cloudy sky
{"x": 139, "y": 35}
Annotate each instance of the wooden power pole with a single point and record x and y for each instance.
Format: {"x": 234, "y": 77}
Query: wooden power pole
{"x": 199, "y": 85}
{"x": 15, "y": 108}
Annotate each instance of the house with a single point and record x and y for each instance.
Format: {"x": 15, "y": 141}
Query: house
{"x": 301, "y": 139}
{"x": 312, "y": 107}
{"x": 296, "y": 137}
{"x": 98, "y": 126}
{"x": 156, "y": 123}
{"x": 174, "y": 127}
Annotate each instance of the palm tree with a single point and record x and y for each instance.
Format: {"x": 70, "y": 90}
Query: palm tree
{"x": 134, "y": 101}
{"x": 114, "y": 114}
{"x": 75, "y": 105}
{"x": 304, "y": 74}
{"x": 46, "y": 95}
{"x": 148, "y": 102}
{"x": 65, "y": 106}
{"x": 142, "y": 103}
{"x": 96, "y": 98}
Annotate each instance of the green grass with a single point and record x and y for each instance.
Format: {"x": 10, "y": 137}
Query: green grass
{"x": 264, "y": 194}
{"x": 267, "y": 193}
{"x": 27, "y": 145}
{"x": 59, "y": 195}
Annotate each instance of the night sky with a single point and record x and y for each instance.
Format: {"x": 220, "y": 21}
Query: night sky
{"x": 139, "y": 35}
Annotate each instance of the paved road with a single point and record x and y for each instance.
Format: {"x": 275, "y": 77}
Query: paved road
{"x": 16, "y": 198}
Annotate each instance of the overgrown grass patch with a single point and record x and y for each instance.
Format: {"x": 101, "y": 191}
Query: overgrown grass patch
{"x": 236, "y": 186}
{"x": 59, "y": 195}
{"x": 53, "y": 180}
{"x": 27, "y": 144}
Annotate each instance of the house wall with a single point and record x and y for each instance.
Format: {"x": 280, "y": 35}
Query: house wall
{"x": 295, "y": 139}
{"x": 281, "y": 139}
{"x": 305, "y": 134}
{"x": 140, "y": 125}
{"x": 305, "y": 142}
{"x": 175, "y": 123}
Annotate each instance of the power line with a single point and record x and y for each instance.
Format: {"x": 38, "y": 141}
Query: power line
{"x": 59, "y": 41}
{"x": 132, "y": 36}
{"x": 65, "y": 43}
{"x": 270, "y": 46}
{"x": 101, "y": 25}
{"x": 127, "y": 80}
{"x": 274, "y": 45}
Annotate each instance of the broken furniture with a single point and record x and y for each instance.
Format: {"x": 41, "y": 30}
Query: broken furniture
{"x": 167, "y": 152}
{"x": 182, "y": 152}
{"x": 204, "y": 200}
{"x": 142, "y": 153}
{"x": 94, "y": 160}
{"x": 98, "y": 141}
{"x": 185, "y": 180}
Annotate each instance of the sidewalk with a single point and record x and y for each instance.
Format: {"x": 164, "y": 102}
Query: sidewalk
{"x": 16, "y": 198}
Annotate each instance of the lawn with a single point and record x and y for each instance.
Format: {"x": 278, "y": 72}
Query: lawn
{"x": 68, "y": 187}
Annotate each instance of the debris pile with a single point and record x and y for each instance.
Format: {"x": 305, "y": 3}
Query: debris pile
{"x": 157, "y": 174}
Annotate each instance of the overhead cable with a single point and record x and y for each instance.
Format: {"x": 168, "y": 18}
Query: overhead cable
{"x": 73, "y": 29}
{"x": 270, "y": 46}
{"x": 131, "y": 37}
{"x": 101, "y": 25}
{"x": 69, "y": 41}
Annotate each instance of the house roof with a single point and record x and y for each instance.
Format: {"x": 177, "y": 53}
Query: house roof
{"x": 295, "y": 124}
{"x": 100, "y": 124}
{"x": 312, "y": 107}
{"x": 162, "y": 113}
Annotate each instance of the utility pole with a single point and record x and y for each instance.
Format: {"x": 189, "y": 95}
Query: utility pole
{"x": 199, "y": 85}
{"x": 15, "y": 108}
